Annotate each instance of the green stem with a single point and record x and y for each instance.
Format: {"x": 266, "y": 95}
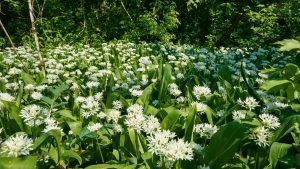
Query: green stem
{"x": 100, "y": 152}
{"x": 3, "y": 128}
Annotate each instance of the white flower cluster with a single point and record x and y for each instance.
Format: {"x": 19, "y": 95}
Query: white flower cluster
{"x": 6, "y": 97}
{"x": 200, "y": 107}
{"x": 199, "y": 91}
{"x": 249, "y": 103}
{"x": 17, "y": 145}
{"x": 261, "y": 136}
{"x": 34, "y": 115}
{"x": 206, "y": 130}
{"x": 162, "y": 143}
{"x": 269, "y": 121}
{"x": 89, "y": 105}
{"x": 174, "y": 89}
{"x": 94, "y": 127}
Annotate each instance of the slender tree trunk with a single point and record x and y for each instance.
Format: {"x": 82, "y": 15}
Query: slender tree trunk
{"x": 36, "y": 38}
{"x": 7, "y": 35}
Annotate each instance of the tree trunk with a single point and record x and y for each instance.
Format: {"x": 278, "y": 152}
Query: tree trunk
{"x": 36, "y": 38}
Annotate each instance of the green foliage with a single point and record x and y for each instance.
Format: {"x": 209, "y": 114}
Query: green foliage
{"x": 200, "y": 22}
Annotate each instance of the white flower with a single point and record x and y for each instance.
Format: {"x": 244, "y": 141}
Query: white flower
{"x": 94, "y": 127}
{"x": 135, "y": 109}
{"x": 98, "y": 96}
{"x": 200, "y": 107}
{"x": 179, "y": 150}
{"x": 118, "y": 128}
{"x": 29, "y": 87}
{"x": 36, "y": 95}
{"x": 269, "y": 121}
{"x": 51, "y": 124}
{"x": 117, "y": 104}
{"x": 281, "y": 105}
{"x": 249, "y": 103}
{"x": 17, "y": 145}
{"x": 6, "y": 97}
{"x": 157, "y": 141}
{"x": 101, "y": 115}
{"x": 135, "y": 92}
{"x": 199, "y": 91}
{"x": 33, "y": 115}
{"x": 114, "y": 115}
{"x": 206, "y": 130}
{"x": 135, "y": 117}
{"x": 174, "y": 90}
{"x": 151, "y": 124}
{"x": 261, "y": 136}
{"x": 238, "y": 115}
{"x": 180, "y": 99}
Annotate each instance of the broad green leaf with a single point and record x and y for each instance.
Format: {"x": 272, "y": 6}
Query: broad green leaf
{"x": 150, "y": 110}
{"x": 27, "y": 78}
{"x": 286, "y": 127}
{"x": 290, "y": 70}
{"x": 291, "y": 92}
{"x": 288, "y": 44}
{"x": 71, "y": 154}
{"x": 147, "y": 156}
{"x": 20, "y": 95}
{"x": 189, "y": 124}
{"x": 250, "y": 87}
{"x": 85, "y": 132}
{"x": 225, "y": 143}
{"x": 209, "y": 114}
{"x": 145, "y": 97}
{"x": 55, "y": 134}
{"x": 28, "y": 162}
{"x": 260, "y": 158}
{"x": 170, "y": 120}
{"x": 277, "y": 151}
{"x": 133, "y": 139}
{"x": 111, "y": 166}
{"x": 57, "y": 90}
{"x": 14, "y": 113}
{"x": 164, "y": 82}
{"x": 75, "y": 126}
{"x": 66, "y": 113}
{"x": 224, "y": 73}
{"x": 275, "y": 85}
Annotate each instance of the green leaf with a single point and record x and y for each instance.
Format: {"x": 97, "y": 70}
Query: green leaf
{"x": 290, "y": 70}
{"x": 286, "y": 127}
{"x": 224, "y": 73}
{"x": 28, "y": 162}
{"x": 27, "y": 78}
{"x": 170, "y": 120}
{"x": 250, "y": 87}
{"x": 147, "y": 156}
{"x": 277, "y": 151}
{"x": 20, "y": 95}
{"x": 14, "y": 113}
{"x": 209, "y": 114}
{"x": 288, "y": 44}
{"x": 146, "y": 95}
{"x": 164, "y": 82}
{"x": 275, "y": 85}
{"x": 225, "y": 143}
{"x": 189, "y": 124}
{"x": 75, "y": 126}
{"x": 71, "y": 154}
{"x": 57, "y": 90}
{"x": 111, "y": 166}
{"x": 66, "y": 113}
{"x": 56, "y": 135}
